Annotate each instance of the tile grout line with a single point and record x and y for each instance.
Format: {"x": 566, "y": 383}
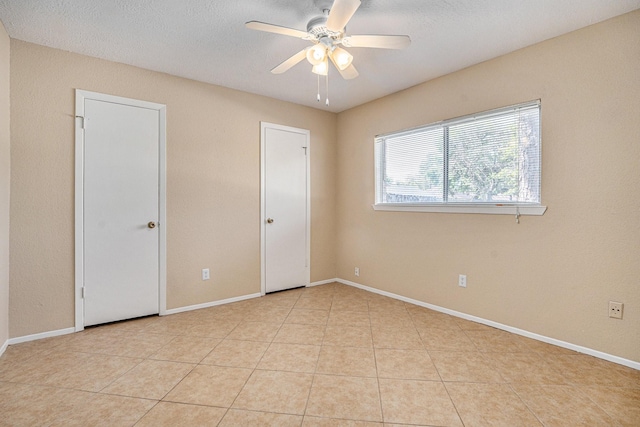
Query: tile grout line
{"x": 436, "y": 369}
{"x": 525, "y": 403}
{"x": 315, "y": 370}
{"x": 375, "y": 359}
{"x": 254, "y": 368}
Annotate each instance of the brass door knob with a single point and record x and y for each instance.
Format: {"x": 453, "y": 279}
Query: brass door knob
{"x": 270, "y": 220}
{"x": 151, "y": 224}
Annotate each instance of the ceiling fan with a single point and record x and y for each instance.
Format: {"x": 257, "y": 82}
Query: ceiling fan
{"x": 327, "y": 33}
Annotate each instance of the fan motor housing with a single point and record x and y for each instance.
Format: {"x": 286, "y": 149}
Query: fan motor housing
{"x": 317, "y": 27}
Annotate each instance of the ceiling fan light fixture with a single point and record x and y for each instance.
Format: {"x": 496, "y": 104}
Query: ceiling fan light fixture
{"x": 322, "y": 68}
{"x": 326, "y": 32}
{"x": 317, "y": 55}
{"x": 341, "y": 58}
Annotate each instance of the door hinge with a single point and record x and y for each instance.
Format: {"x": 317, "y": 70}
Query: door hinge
{"x": 82, "y": 292}
{"x": 83, "y": 121}
{"x": 305, "y": 150}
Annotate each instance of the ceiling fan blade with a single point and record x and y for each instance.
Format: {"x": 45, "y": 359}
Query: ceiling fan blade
{"x": 340, "y": 13}
{"x": 380, "y": 42}
{"x": 277, "y": 29}
{"x": 348, "y": 73}
{"x": 290, "y": 62}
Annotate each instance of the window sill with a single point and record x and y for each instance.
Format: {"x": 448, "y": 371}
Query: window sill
{"x": 492, "y": 209}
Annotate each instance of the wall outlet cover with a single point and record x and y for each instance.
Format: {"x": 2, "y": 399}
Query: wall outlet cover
{"x": 615, "y": 309}
{"x": 462, "y": 280}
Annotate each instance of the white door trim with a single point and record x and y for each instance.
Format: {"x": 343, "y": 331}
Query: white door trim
{"x": 263, "y": 191}
{"x": 81, "y": 95}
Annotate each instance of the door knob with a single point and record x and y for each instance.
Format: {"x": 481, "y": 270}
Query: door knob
{"x": 270, "y": 220}
{"x": 151, "y": 224}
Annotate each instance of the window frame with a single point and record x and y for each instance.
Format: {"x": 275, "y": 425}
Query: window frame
{"x": 499, "y": 208}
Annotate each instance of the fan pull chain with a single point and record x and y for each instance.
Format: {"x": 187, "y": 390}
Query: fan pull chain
{"x": 318, "y": 75}
{"x": 327, "y": 87}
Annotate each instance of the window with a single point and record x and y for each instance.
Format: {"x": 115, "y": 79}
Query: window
{"x": 485, "y": 163}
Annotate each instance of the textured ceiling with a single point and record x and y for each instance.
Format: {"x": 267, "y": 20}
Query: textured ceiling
{"x": 206, "y": 40}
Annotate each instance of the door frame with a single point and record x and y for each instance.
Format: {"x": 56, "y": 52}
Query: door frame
{"x": 263, "y": 192}
{"x": 81, "y": 96}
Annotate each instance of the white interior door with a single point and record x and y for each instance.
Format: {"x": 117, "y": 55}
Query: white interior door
{"x": 121, "y": 211}
{"x": 285, "y": 207}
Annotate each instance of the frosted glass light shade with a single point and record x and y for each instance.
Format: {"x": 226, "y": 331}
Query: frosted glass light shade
{"x": 321, "y": 68}
{"x": 342, "y": 58}
{"x": 317, "y": 54}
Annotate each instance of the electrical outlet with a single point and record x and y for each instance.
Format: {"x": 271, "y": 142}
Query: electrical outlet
{"x": 357, "y": 272}
{"x": 205, "y": 274}
{"x": 615, "y": 309}
{"x": 462, "y": 280}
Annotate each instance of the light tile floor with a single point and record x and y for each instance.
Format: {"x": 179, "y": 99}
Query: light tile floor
{"x": 330, "y": 355}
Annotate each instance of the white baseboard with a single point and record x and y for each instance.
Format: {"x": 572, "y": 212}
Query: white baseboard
{"x": 65, "y": 331}
{"x": 41, "y": 335}
{"x": 322, "y": 282}
{"x": 532, "y": 335}
{"x": 210, "y": 304}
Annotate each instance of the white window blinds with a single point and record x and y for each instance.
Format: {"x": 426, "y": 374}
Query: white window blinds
{"x": 487, "y": 158}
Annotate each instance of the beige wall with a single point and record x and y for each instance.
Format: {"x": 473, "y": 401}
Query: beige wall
{"x": 4, "y": 185}
{"x": 552, "y": 275}
{"x": 213, "y": 182}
